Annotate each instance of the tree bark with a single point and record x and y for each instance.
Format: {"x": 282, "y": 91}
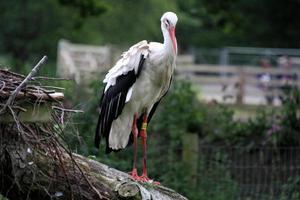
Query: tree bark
{"x": 43, "y": 170}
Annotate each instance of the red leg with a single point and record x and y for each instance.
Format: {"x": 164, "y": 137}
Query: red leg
{"x": 135, "y": 132}
{"x": 143, "y": 134}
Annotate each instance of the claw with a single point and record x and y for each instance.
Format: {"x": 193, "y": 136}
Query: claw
{"x": 134, "y": 175}
{"x": 145, "y": 178}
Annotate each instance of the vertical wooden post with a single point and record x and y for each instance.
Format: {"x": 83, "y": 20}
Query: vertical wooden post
{"x": 190, "y": 156}
{"x": 241, "y": 86}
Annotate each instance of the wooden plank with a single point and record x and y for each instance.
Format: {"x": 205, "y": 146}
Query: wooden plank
{"x": 185, "y": 59}
{"x": 218, "y": 80}
{"x": 272, "y": 71}
{"x": 208, "y": 79}
{"x": 252, "y": 80}
{"x": 251, "y": 70}
{"x": 193, "y": 73}
{"x": 207, "y": 68}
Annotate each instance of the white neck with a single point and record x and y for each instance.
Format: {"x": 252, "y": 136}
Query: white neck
{"x": 168, "y": 45}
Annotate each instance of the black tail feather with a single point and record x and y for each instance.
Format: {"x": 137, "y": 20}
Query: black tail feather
{"x": 97, "y": 134}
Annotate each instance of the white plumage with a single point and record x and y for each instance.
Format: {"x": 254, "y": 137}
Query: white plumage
{"x": 149, "y": 88}
{"x": 129, "y": 61}
{"x": 135, "y": 85}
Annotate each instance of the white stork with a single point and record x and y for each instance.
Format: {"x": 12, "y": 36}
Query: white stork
{"x": 134, "y": 88}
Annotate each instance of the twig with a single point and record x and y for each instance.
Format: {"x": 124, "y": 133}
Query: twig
{"x": 82, "y": 173}
{"x": 6, "y": 71}
{"x": 68, "y": 151}
{"x": 16, "y": 120}
{"x": 28, "y": 77}
{"x": 53, "y": 87}
{"x": 51, "y": 78}
{"x": 67, "y": 110}
{"x": 37, "y": 88}
{"x": 15, "y": 107}
{"x": 3, "y": 85}
{"x": 63, "y": 110}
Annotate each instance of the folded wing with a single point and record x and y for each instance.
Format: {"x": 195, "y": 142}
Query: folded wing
{"x": 119, "y": 86}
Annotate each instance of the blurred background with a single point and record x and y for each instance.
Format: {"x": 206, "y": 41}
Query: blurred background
{"x": 229, "y": 128}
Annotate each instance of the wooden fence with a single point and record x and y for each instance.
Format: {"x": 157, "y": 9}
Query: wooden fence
{"x": 240, "y": 84}
{"x": 82, "y": 62}
{"x": 225, "y": 84}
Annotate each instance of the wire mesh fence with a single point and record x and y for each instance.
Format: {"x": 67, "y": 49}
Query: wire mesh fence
{"x": 257, "y": 173}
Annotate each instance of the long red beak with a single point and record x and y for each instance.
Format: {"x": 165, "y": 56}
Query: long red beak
{"x": 173, "y": 38}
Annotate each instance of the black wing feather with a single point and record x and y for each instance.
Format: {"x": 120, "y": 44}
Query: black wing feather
{"x": 112, "y": 103}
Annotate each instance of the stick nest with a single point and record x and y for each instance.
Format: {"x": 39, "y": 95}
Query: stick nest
{"x": 39, "y": 148}
{"x": 31, "y": 91}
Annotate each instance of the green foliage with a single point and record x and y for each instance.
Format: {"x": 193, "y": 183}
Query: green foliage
{"x": 86, "y": 7}
{"x": 130, "y": 22}
{"x": 84, "y": 124}
{"x": 289, "y": 118}
{"x": 177, "y": 114}
{"x": 210, "y": 171}
{"x": 3, "y": 198}
{"x": 32, "y": 28}
{"x": 268, "y": 128}
{"x": 240, "y": 23}
{"x": 291, "y": 190}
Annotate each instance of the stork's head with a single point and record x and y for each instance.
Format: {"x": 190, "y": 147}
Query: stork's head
{"x": 168, "y": 22}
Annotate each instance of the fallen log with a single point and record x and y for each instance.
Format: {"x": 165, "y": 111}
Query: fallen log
{"x": 53, "y": 172}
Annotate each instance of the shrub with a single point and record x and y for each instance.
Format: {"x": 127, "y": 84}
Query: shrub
{"x": 291, "y": 190}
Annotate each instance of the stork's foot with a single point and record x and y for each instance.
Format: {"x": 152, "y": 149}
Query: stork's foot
{"x": 145, "y": 178}
{"x": 134, "y": 175}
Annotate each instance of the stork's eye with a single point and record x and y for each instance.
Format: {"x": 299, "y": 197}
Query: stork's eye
{"x": 167, "y": 23}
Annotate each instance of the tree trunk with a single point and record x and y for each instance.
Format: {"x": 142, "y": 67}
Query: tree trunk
{"x": 34, "y": 169}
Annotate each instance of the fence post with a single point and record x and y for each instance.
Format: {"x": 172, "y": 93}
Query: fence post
{"x": 224, "y": 55}
{"x": 241, "y": 86}
{"x": 190, "y": 156}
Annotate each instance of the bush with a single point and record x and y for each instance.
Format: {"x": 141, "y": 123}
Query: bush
{"x": 277, "y": 128}
{"x": 215, "y": 181}
{"x": 291, "y": 190}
